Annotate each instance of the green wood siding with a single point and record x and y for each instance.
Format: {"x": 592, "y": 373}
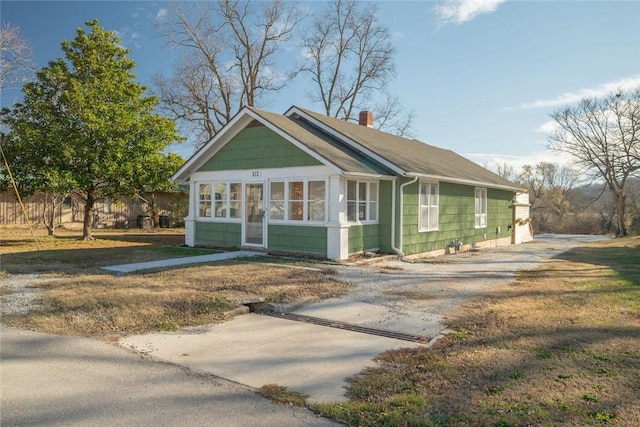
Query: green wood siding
{"x": 258, "y": 148}
{"x": 364, "y": 237}
{"x": 222, "y": 234}
{"x": 295, "y": 238}
{"x": 384, "y": 214}
{"x": 456, "y": 218}
{"x": 375, "y": 236}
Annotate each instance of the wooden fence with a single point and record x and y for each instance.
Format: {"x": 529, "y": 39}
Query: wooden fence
{"x": 122, "y": 213}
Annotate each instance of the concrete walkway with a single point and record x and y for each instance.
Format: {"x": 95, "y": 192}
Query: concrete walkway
{"x": 255, "y": 350}
{"x": 51, "y": 380}
{"x": 173, "y": 262}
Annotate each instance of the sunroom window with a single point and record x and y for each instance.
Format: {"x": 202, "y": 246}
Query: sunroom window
{"x": 298, "y": 201}
{"x": 204, "y": 197}
{"x": 228, "y": 196}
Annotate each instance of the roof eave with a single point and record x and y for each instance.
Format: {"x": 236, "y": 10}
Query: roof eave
{"x": 465, "y": 181}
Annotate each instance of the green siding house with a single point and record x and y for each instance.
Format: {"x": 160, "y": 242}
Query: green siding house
{"x": 306, "y": 183}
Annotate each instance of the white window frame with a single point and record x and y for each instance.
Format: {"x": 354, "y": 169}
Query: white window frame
{"x": 200, "y": 200}
{"x": 370, "y": 201}
{"x": 227, "y": 201}
{"x": 480, "y": 200}
{"x": 306, "y": 201}
{"x": 432, "y": 207}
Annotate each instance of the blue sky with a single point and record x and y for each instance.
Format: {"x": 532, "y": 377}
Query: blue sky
{"x": 482, "y": 76}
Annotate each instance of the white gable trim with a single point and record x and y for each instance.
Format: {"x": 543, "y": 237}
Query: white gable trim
{"x": 341, "y": 137}
{"x": 226, "y": 134}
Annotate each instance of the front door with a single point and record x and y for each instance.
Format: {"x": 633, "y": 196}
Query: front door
{"x": 254, "y": 214}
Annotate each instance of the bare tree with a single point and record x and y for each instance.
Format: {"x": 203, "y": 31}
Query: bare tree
{"x": 504, "y": 169}
{"x": 391, "y": 116}
{"x": 550, "y": 186}
{"x": 349, "y": 55}
{"x": 229, "y": 52}
{"x": 16, "y": 57}
{"x": 602, "y": 137}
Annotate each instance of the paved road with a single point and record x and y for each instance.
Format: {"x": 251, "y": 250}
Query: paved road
{"x": 48, "y": 380}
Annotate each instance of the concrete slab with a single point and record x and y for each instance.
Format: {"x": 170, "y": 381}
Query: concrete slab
{"x": 256, "y": 350}
{"x": 375, "y": 316}
{"x": 52, "y": 380}
{"x": 173, "y": 262}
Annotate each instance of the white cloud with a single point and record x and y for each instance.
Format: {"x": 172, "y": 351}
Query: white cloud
{"x": 547, "y": 127}
{"x": 461, "y": 11}
{"x": 517, "y": 162}
{"x": 161, "y": 13}
{"x": 626, "y": 84}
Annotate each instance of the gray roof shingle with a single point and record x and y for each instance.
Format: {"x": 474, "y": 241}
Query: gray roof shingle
{"x": 411, "y": 156}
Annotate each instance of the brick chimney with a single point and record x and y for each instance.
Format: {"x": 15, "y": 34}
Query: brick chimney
{"x": 366, "y": 119}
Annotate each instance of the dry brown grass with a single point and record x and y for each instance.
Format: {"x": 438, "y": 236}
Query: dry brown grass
{"x": 66, "y": 253}
{"x": 85, "y": 300}
{"x": 560, "y": 346}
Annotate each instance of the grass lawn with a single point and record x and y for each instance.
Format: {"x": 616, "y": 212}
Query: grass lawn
{"x": 559, "y": 346}
{"x": 81, "y": 299}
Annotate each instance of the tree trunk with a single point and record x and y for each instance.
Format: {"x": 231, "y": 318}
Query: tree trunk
{"x": 153, "y": 210}
{"x": 50, "y": 221}
{"x": 49, "y": 214}
{"x": 621, "y": 204}
{"x": 88, "y": 216}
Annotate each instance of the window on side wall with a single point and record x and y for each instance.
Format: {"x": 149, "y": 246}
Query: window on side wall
{"x": 204, "y": 197}
{"x": 481, "y": 207}
{"x": 428, "y": 203}
{"x": 362, "y": 201}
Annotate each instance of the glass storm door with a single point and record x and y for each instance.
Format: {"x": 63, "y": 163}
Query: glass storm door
{"x": 254, "y": 214}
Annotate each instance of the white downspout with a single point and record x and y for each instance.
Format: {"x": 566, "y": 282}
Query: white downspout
{"x": 398, "y": 250}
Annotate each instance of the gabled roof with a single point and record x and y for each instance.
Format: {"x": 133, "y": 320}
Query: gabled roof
{"x": 350, "y": 148}
{"x": 324, "y": 145}
{"x": 326, "y": 149}
{"x": 408, "y": 157}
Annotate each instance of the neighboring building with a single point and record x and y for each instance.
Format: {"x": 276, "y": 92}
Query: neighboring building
{"x": 125, "y": 212}
{"x": 310, "y": 184}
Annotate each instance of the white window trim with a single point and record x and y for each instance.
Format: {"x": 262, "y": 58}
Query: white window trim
{"x": 478, "y": 217}
{"x": 368, "y": 202}
{"x": 212, "y": 201}
{"x": 198, "y": 200}
{"x": 227, "y": 218}
{"x": 305, "y": 201}
{"x": 421, "y": 227}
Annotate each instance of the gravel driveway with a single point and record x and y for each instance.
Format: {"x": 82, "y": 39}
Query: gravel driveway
{"x": 414, "y": 296}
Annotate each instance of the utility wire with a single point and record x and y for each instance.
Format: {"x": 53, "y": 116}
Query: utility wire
{"x": 15, "y": 187}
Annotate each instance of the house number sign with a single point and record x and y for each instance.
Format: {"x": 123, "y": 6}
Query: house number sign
{"x": 256, "y": 173}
